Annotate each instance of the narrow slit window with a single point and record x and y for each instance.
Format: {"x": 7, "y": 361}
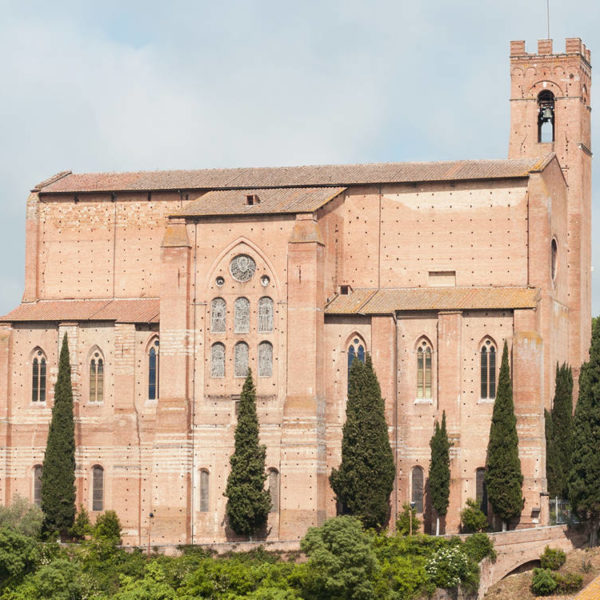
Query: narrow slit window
{"x": 424, "y": 371}
{"x": 481, "y": 490}
{"x": 37, "y": 485}
{"x": 274, "y": 489}
{"x": 97, "y": 488}
{"x": 204, "y": 482}
{"x": 417, "y": 488}
{"x": 153, "y": 370}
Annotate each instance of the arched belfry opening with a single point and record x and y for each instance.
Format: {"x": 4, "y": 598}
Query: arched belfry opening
{"x": 545, "y": 117}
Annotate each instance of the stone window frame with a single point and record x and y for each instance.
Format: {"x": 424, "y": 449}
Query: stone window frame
{"x": 262, "y": 372}
{"x": 241, "y": 315}
{"x": 204, "y": 490}
{"x": 237, "y": 370}
{"x": 153, "y": 379}
{"x": 266, "y": 314}
{"x": 213, "y": 347}
{"x": 217, "y": 324}
{"x": 39, "y": 376}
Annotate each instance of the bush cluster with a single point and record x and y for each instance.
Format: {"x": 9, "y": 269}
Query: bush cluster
{"x": 552, "y": 558}
{"x": 343, "y": 560}
{"x": 547, "y": 580}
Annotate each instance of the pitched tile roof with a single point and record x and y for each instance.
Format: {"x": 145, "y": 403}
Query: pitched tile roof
{"x": 121, "y": 311}
{"x": 265, "y": 201}
{"x": 304, "y": 176}
{"x": 387, "y": 301}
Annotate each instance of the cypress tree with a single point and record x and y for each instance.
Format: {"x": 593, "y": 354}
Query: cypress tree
{"x": 503, "y": 476}
{"x": 58, "y": 473}
{"x": 439, "y": 471}
{"x": 584, "y": 475}
{"x": 248, "y": 503}
{"x": 554, "y": 474}
{"x": 562, "y": 426}
{"x": 365, "y": 479}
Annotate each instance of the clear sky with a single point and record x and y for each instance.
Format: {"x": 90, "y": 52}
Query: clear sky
{"x": 128, "y": 85}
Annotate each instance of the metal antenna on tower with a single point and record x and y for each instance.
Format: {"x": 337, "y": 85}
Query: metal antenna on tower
{"x": 548, "y": 17}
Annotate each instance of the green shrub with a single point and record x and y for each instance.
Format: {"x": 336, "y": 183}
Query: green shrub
{"x": 552, "y": 558}
{"x": 472, "y": 518}
{"x": 22, "y": 516}
{"x": 82, "y": 526}
{"x": 448, "y": 567}
{"x": 108, "y": 528}
{"x": 569, "y": 582}
{"x": 403, "y": 522}
{"x": 479, "y": 546}
{"x": 543, "y": 582}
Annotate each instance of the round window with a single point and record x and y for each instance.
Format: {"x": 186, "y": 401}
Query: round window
{"x": 242, "y": 268}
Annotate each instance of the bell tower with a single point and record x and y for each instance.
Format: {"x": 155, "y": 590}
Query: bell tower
{"x": 550, "y": 112}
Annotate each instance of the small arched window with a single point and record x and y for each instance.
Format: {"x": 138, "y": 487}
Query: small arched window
{"x": 240, "y": 357}
{"x": 488, "y": 370}
{"x": 218, "y": 310}
{"x": 96, "y": 378}
{"x": 153, "y": 370}
{"x": 38, "y": 378}
{"x": 265, "y": 359}
{"x": 217, "y": 360}
{"x": 37, "y": 485}
{"x": 265, "y": 314}
{"x": 241, "y": 317}
{"x": 424, "y": 370}
{"x": 546, "y": 117}
{"x": 274, "y": 489}
{"x": 97, "y": 488}
{"x": 204, "y": 483}
{"x": 417, "y": 480}
{"x": 481, "y": 490}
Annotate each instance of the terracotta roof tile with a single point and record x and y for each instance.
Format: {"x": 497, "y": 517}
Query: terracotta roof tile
{"x": 387, "y": 301}
{"x": 121, "y": 311}
{"x": 265, "y": 201}
{"x": 303, "y": 176}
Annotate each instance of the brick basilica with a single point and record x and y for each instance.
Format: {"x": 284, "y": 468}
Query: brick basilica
{"x": 171, "y": 284}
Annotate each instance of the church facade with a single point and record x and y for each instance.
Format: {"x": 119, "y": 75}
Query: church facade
{"x": 170, "y": 285}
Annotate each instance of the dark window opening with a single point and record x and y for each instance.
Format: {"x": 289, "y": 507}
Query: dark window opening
{"x": 153, "y": 371}
{"x": 417, "y": 488}
{"x": 546, "y": 117}
{"x": 481, "y": 490}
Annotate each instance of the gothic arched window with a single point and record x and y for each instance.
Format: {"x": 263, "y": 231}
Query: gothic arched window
{"x": 97, "y": 488}
{"x": 424, "y": 370}
{"x": 217, "y": 315}
{"x": 204, "y": 482}
{"x": 274, "y": 489}
{"x": 240, "y": 357}
{"x": 37, "y": 485}
{"x": 217, "y": 360}
{"x": 417, "y": 480}
{"x": 356, "y": 349}
{"x": 481, "y": 490}
{"x": 96, "y": 378}
{"x": 265, "y": 359}
{"x": 488, "y": 370}
{"x": 153, "y": 370}
{"x": 38, "y": 378}
{"x": 265, "y": 314}
{"x": 241, "y": 316}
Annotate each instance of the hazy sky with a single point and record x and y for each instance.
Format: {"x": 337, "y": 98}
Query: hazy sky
{"x": 124, "y": 85}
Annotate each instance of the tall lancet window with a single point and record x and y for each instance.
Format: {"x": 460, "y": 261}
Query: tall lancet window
{"x": 265, "y": 359}
{"x": 96, "y": 378}
{"x": 488, "y": 370}
{"x": 38, "y": 378}
{"x": 424, "y": 370}
{"x": 153, "y": 370}
{"x": 217, "y": 360}
{"x": 546, "y": 117}
{"x": 217, "y": 315}
{"x": 240, "y": 358}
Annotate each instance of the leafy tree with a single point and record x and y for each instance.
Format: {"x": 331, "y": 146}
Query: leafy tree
{"x": 341, "y": 561}
{"x": 19, "y": 555}
{"x": 365, "y": 479}
{"x": 503, "y": 475}
{"x": 22, "y": 516}
{"x": 248, "y": 502}
{"x": 561, "y": 432}
{"x": 408, "y": 522}
{"x": 108, "y": 528}
{"x": 439, "y": 471}
{"x": 82, "y": 526}
{"x": 472, "y": 518}
{"x": 554, "y": 472}
{"x": 584, "y": 476}
{"x": 58, "y": 474}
